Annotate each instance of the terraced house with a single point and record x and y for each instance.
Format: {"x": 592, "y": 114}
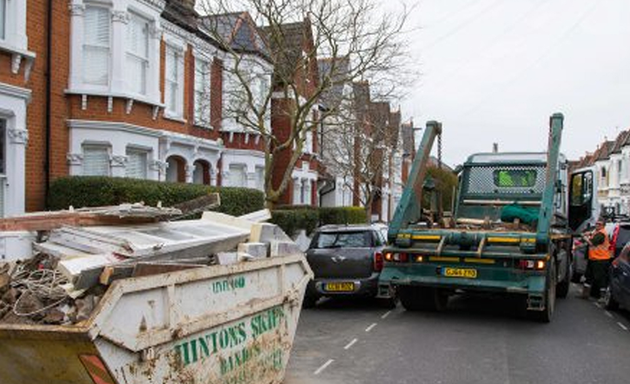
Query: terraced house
{"x": 610, "y": 164}
{"x": 126, "y": 88}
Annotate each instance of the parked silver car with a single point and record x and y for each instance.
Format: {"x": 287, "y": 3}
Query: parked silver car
{"x": 347, "y": 261}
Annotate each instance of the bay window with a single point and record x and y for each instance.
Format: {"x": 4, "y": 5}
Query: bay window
{"x": 173, "y": 82}
{"x": 96, "y": 46}
{"x": 137, "y": 54}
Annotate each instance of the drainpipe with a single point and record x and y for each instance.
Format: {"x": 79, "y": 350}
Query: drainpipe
{"x": 47, "y": 135}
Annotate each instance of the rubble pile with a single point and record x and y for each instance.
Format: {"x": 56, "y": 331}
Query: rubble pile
{"x": 73, "y": 265}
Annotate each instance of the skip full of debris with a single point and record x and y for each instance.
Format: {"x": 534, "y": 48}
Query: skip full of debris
{"x": 80, "y": 254}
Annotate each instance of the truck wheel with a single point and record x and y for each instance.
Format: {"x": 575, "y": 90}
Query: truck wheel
{"x": 440, "y": 298}
{"x": 309, "y": 301}
{"x": 562, "y": 289}
{"x": 410, "y": 298}
{"x": 546, "y": 314}
{"x": 609, "y": 299}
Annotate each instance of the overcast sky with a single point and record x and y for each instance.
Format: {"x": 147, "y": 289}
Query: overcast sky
{"x": 495, "y": 70}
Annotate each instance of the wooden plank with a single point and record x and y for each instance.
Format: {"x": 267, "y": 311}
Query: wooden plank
{"x": 146, "y": 269}
{"x": 198, "y": 205}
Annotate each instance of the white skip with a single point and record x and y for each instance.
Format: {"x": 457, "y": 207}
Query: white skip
{"x": 320, "y": 369}
{"x": 350, "y": 344}
{"x": 386, "y": 314}
{"x": 622, "y": 326}
{"x": 368, "y": 329}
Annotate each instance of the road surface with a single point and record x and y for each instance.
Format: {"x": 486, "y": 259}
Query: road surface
{"x": 477, "y": 340}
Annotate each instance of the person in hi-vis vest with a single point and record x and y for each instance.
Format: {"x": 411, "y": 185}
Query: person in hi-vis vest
{"x": 599, "y": 256}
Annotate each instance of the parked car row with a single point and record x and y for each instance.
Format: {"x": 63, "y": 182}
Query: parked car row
{"x": 347, "y": 261}
{"x": 618, "y": 291}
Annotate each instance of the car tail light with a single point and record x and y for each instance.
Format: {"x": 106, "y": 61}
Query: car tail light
{"x": 396, "y": 257}
{"x": 378, "y": 261}
{"x": 615, "y": 235}
{"x": 531, "y": 264}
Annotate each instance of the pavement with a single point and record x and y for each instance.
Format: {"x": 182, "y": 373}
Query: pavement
{"x": 478, "y": 339}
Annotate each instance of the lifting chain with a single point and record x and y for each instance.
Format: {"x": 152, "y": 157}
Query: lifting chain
{"x": 440, "y": 150}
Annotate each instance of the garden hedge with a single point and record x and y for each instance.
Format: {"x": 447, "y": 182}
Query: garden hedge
{"x": 293, "y": 218}
{"x": 342, "y": 215}
{"x": 93, "y": 191}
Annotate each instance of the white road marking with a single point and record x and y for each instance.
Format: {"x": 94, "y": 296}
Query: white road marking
{"x": 609, "y": 314}
{"x": 350, "y": 344}
{"x": 622, "y": 326}
{"x": 386, "y": 314}
{"x": 598, "y": 305}
{"x": 368, "y": 329}
{"x": 320, "y": 369}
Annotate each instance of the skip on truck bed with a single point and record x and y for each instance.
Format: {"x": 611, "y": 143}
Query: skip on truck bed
{"x": 509, "y": 232}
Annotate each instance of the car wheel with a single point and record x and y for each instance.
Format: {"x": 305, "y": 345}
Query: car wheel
{"x": 609, "y": 299}
{"x": 575, "y": 277}
{"x": 546, "y": 314}
{"x": 410, "y": 298}
{"x": 387, "y": 303}
{"x": 562, "y": 289}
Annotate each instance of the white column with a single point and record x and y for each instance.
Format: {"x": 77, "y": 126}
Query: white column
{"x": 16, "y": 151}
{"x": 213, "y": 176}
{"x": 120, "y": 19}
{"x": 251, "y": 180}
{"x": 77, "y": 11}
{"x": 118, "y": 165}
{"x": 153, "y": 72}
{"x": 189, "y": 169}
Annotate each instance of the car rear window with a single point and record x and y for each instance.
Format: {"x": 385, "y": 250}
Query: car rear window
{"x": 356, "y": 239}
{"x": 623, "y": 236}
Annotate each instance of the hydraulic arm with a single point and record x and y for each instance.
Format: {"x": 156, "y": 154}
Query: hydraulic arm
{"x": 409, "y": 209}
{"x": 551, "y": 182}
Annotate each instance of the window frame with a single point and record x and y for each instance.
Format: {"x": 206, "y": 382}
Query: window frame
{"x": 242, "y": 169}
{"x": 109, "y": 48}
{"x": 146, "y": 60}
{"x": 3, "y": 20}
{"x": 131, "y": 150}
{"x": 203, "y": 80}
{"x": 179, "y": 53}
{"x": 107, "y": 148}
{"x": 3, "y": 147}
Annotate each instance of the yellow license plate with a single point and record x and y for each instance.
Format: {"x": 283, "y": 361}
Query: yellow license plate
{"x": 467, "y": 273}
{"x": 339, "y": 287}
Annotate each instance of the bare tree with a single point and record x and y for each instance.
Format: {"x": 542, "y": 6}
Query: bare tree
{"x": 354, "y": 29}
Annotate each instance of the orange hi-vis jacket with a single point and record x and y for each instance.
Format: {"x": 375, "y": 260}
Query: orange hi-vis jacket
{"x": 602, "y": 251}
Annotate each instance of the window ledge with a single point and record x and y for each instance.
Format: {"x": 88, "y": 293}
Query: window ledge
{"x": 17, "y": 55}
{"x": 201, "y": 125}
{"x": 121, "y": 95}
{"x": 169, "y": 115}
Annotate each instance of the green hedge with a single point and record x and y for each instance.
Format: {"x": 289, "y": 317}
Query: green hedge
{"x": 93, "y": 191}
{"x": 342, "y": 215}
{"x": 293, "y": 218}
